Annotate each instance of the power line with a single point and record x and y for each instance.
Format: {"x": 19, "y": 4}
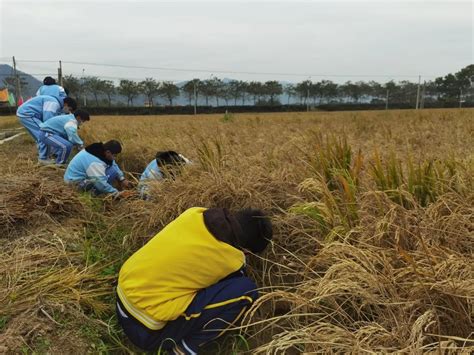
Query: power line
{"x": 37, "y": 61}
{"x": 91, "y": 75}
{"x": 197, "y": 70}
{"x": 27, "y": 74}
{"x": 230, "y": 71}
{"x": 114, "y": 77}
{"x": 79, "y": 75}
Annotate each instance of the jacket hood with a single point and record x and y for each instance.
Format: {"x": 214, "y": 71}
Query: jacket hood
{"x": 223, "y": 226}
{"x": 55, "y": 91}
{"x": 97, "y": 150}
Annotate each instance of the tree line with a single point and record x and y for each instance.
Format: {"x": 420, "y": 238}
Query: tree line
{"x": 448, "y": 89}
{"x": 213, "y": 91}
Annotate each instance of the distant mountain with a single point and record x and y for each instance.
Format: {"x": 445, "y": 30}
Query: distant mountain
{"x": 32, "y": 84}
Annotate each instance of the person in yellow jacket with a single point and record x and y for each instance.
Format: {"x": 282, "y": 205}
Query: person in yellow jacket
{"x": 187, "y": 285}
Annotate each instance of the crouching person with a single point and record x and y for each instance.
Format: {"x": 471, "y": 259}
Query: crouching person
{"x": 38, "y": 110}
{"x": 187, "y": 285}
{"x": 59, "y": 134}
{"x": 94, "y": 169}
{"x": 165, "y": 165}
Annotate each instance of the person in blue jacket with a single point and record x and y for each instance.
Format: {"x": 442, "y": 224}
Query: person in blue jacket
{"x": 50, "y": 88}
{"x": 163, "y": 166}
{"x": 94, "y": 169}
{"x": 59, "y": 134}
{"x": 38, "y": 110}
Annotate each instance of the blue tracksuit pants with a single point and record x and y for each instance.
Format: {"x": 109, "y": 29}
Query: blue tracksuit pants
{"x": 57, "y": 145}
{"x": 212, "y": 311}
{"x": 113, "y": 175}
{"x": 32, "y": 125}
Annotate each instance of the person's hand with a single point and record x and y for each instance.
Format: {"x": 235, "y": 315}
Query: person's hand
{"x": 128, "y": 194}
{"x": 125, "y": 194}
{"x": 125, "y": 184}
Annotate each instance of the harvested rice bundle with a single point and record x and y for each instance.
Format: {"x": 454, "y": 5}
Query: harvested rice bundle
{"x": 24, "y": 198}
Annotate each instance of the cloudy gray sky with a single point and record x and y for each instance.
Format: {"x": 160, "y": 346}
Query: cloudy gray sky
{"x": 340, "y": 40}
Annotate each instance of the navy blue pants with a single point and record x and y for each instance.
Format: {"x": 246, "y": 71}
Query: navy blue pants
{"x": 212, "y": 311}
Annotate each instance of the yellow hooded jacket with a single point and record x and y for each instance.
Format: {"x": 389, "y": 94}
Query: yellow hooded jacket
{"x": 159, "y": 281}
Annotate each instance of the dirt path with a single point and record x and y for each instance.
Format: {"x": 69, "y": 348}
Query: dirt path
{"x": 7, "y": 138}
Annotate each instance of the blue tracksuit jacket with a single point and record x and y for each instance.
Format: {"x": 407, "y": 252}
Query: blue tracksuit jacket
{"x": 64, "y": 126}
{"x": 87, "y": 168}
{"x": 41, "y": 108}
{"x": 52, "y": 90}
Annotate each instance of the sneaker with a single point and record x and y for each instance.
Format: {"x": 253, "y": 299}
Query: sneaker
{"x": 45, "y": 161}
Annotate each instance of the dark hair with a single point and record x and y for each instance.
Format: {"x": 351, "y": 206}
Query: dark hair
{"x": 169, "y": 157}
{"x": 113, "y": 146}
{"x": 84, "y": 115}
{"x": 49, "y": 81}
{"x": 71, "y": 103}
{"x": 257, "y": 229}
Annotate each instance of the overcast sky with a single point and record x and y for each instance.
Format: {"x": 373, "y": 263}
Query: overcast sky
{"x": 351, "y": 38}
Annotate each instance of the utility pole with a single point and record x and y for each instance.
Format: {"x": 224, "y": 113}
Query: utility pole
{"x": 386, "y": 100}
{"x": 307, "y": 95}
{"x": 17, "y": 82}
{"x": 60, "y": 74}
{"x": 422, "y": 103}
{"x": 84, "y": 89}
{"x": 418, "y": 93}
{"x": 195, "y": 96}
{"x": 417, "y": 106}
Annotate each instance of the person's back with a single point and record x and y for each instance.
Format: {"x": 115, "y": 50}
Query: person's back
{"x": 178, "y": 273}
{"x": 82, "y": 166}
{"x": 57, "y": 124}
{"x": 36, "y": 106}
{"x": 54, "y": 90}
{"x": 190, "y": 277}
{"x": 151, "y": 172}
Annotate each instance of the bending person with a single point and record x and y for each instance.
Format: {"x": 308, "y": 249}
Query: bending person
{"x": 94, "y": 169}
{"x": 39, "y": 109}
{"x": 165, "y": 165}
{"x": 187, "y": 285}
{"x": 59, "y": 134}
{"x": 50, "y": 88}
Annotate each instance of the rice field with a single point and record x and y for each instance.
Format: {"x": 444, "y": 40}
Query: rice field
{"x": 374, "y": 230}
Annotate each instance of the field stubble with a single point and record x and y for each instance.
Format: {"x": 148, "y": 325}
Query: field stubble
{"x": 373, "y": 215}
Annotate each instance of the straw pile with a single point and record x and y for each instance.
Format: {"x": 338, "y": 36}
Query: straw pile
{"x": 38, "y": 195}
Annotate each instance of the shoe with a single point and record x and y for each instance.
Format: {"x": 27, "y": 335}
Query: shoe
{"x": 45, "y": 161}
